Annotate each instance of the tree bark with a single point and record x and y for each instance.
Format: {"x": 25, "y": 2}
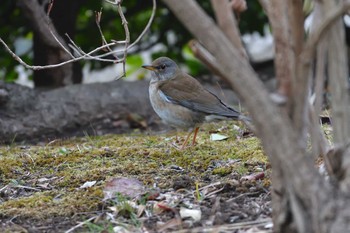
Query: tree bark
{"x": 228, "y": 24}
{"x": 307, "y": 202}
{"x": 34, "y": 115}
{"x": 46, "y": 48}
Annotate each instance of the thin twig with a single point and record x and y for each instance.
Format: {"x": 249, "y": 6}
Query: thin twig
{"x": 127, "y": 38}
{"x": 31, "y": 158}
{"x": 213, "y": 211}
{"x": 81, "y": 224}
{"x": 52, "y": 31}
{"x": 214, "y": 192}
{"x": 53, "y": 65}
{"x": 147, "y": 26}
{"x": 49, "y": 8}
{"x": 26, "y": 187}
{"x": 231, "y": 227}
{"x": 3, "y": 188}
{"x": 320, "y": 145}
{"x": 211, "y": 185}
{"x": 89, "y": 55}
{"x": 98, "y": 21}
{"x": 60, "y": 43}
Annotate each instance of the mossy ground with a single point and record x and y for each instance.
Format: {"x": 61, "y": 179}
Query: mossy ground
{"x": 41, "y": 183}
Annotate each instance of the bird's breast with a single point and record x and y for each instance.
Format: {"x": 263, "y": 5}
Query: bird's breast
{"x": 173, "y": 114}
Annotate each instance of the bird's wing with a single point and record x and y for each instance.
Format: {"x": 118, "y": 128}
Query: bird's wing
{"x": 188, "y": 92}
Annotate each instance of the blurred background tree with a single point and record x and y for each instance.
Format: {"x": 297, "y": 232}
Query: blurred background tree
{"x": 167, "y": 36}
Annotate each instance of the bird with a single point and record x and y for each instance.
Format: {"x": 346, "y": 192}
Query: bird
{"x": 182, "y": 102}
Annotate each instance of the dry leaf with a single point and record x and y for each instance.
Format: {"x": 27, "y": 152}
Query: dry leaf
{"x": 88, "y": 184}
{"x": 217, "y": 137}
{"x": 129, "y": 187}
{"x": 255, "y": 176}
{"x": 195, "y": 214}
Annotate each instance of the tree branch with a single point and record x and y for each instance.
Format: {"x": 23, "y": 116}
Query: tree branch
{"x": 40, "y": 22}
{"x": 228, "y": 23}
{"x": 247, "y": 85}
{"x": 44, "y": 27}
{"x": 330, "y": 17}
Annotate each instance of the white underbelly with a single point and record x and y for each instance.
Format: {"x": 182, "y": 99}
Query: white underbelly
{"x": 173, "y": 114}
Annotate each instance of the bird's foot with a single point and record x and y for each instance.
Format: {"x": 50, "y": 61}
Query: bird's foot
{"x": 178, "y": 144}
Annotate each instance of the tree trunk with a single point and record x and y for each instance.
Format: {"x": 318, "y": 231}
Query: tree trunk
{"x": 46, "y": 49}
{"x": 33, "y": 115}
{"x": 307, "y": 202}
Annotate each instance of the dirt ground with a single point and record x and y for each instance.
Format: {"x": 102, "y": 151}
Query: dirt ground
{"x": 65, "y": 185}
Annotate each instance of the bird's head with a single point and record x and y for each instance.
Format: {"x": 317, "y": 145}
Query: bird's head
{"x": 163, "y": 69}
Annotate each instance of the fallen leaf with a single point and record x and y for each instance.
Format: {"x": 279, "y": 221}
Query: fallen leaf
{"x": 236, "y": 127}
{"x": 41, "y": 180}
{"x": 196, "y": 215}
{"x": 162, "y": 206}
{"x": 44, "y": 185}
{"x": 129, "y": 187}
{"x": 140, "y": 210}
{"x": 113, "y": 208}
{"x": 254, "y": 176}
{"x": 88, "y": 184}
{"x": 217, "y": 137}
{"x": 120, "y": 229}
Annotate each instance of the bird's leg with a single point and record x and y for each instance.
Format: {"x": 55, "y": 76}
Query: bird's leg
{"x": 195, "y": 135}
{"x": 186, "y": 141}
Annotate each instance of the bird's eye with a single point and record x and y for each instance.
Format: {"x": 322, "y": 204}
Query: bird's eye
{"x": 162, "y": 67}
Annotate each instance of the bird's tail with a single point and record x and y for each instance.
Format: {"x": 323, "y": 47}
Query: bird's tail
{"x": 244, "y": 118}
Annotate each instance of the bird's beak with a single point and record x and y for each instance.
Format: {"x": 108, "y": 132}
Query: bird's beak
{"x": 149, "y": 67}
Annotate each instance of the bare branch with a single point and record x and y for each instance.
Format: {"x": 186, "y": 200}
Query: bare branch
{"x": 228, "y": 23}
{"x": 238, "y": 6}
{"x": 266, "y": 5}
{"x": 86, "y": 57}
{"x": 202, "y": 54}
{"x": 59, "y": 42}
{"x": 284, "y": 59}
{"x": 98, "y": 15}
{"x": 90, "y": 55}
{"x": 127, "y": 38}
{"x": 331, "y": 16}
{"x": 298, "y": 105}
{"x": 147, "y": 26}
{"x": 320, "y": 146}
{"x": 50, "y": 7}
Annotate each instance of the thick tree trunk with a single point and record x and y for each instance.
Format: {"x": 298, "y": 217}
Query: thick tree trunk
{"x": 46, "y": 50}
{"x": 64, "y": 16}
{"x": 29, "y": 114}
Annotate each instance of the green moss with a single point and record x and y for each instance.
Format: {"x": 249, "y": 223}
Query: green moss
{"x": 68, "y": 164}
{"x": 50, "y": 203}
{"x": 222, "y": 171}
